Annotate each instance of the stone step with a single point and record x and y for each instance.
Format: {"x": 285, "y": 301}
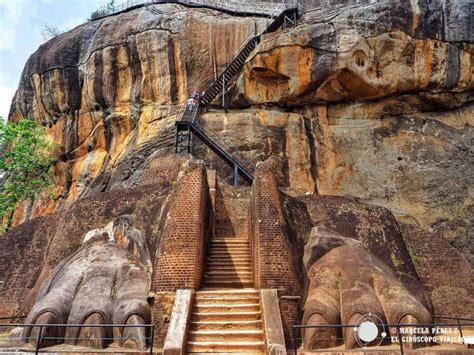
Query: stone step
{"x": 226, "y": 346}
{"x": 242, "y": 246}
{"x": 229, "y": 262}
{"x": 230, "y": 241}
{"x": 226, "y": 335}
{"x": 230, "y": 246}
{"x": 245, "y": 251}
{"x": 236, "y": 307}
{"x": 225, "y": 316}
{"x": 218, "y": 257}
{"x": 231, "y": 294}
{"x": 229, "y": 272}
{"x": 229, "y": 268}
{"x": 227, "y": 325}
{"x": 236, "y": 278}
{"x": 228, "y": 283}
{"x": 227, "y": 300}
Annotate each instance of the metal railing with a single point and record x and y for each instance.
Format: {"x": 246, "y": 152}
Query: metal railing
{"x": 257, "y": 8}
{"x": 190, "y": 117}
{"x": 232, "y": 150}
{"x": 40, "y": 337}
{"x": 458, "y": 321}
{"x": 397, "y": 327}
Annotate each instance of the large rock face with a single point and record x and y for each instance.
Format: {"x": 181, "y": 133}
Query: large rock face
{"x": 108, "y": 90}
{"x": 362, "y": 103}
{"x": 386, "y": 91}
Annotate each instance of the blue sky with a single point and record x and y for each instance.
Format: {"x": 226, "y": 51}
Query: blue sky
{"x": 20, "y": 34}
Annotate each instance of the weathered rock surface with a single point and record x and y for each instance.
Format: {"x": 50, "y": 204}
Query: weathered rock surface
{"x": 387, "y": 87}
{"x": 108, "y": 91}
{"x": 406, "y": 146}
{"x": 364, "y": 107}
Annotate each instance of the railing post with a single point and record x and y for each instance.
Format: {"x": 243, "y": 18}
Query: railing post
{"x": 152, "y": 339}
{"x": 38, "y": 340}
{"x": 176, "y": 140}
{"x": 460, "y": 330}
{"x": 223, "y": 91}
{"x": 295, "y": 344}
{"x": 189, "y": 140}
{"x": 236, "y": 175}
{"x": 400, "y": 339}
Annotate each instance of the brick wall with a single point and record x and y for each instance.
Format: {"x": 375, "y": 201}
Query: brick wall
{"x": 179, "y": 259}
{"x": 273, "y": 252}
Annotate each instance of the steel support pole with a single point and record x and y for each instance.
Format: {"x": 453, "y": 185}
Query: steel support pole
{"x": 400, "y": 340}
{"x": 295, "y": 343}
{"x": 152, "y": 339}
{"x": 236, "y": 175}
{"x": 189, "y": 140}
{"x": 38, "y": 340}
{"x": 460, "y": 330}
{"x": 176, "y": 141}
{"x": 223, "y": 92}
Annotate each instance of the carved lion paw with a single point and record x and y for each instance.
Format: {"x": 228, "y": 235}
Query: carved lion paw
{"x": 347, "y": 284}
{"x": 105, "y": 282}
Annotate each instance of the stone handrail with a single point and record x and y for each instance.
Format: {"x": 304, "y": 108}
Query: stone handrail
{"x": 257, "y": 8}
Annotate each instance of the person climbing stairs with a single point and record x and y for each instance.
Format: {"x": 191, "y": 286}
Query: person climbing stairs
{"x": 189, "y": 122}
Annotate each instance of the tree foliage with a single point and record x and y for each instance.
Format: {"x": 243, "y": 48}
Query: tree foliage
{"x": 25, "y": 164}
{"x": 49, "y": 31}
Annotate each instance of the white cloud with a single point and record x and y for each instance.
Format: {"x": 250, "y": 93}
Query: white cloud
{"x": 12, "y": 15}
{"x": 6, "y": 96}
{"x": 7, "y": 38}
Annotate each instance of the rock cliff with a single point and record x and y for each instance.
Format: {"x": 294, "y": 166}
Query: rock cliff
{"x": 365, "y": 110}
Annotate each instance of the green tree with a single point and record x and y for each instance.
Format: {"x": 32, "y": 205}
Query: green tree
{"x": 25, "y": 164}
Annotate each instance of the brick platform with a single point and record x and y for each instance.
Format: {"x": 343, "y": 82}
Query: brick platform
{"x": 273, "y": 253}
{"x": 180, "y": 255}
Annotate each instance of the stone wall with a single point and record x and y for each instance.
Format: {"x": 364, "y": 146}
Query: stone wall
{"x": 273, "y": 250}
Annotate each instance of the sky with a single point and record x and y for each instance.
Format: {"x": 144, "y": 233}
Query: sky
{"x": 21, "y": 24}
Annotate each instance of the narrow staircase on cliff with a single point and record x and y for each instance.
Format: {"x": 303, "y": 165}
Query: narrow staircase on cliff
{"x": 226, "y": 316}
{"x": 189, "y": 124}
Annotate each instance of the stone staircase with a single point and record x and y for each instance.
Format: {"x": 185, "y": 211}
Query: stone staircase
{"x": 228, "y": 264}
{"x": 226, "y": 321}
{"x": 226, "y": 316}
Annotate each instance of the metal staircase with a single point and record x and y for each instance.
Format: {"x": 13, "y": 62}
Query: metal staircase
{"x": 189, "y": 122}
{"x": 286, "y": 18}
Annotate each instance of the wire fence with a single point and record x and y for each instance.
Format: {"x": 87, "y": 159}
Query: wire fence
{"x": 397, "y": 335}
{"x": 258, "y": 8}
{"x": 45, "y": 336}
